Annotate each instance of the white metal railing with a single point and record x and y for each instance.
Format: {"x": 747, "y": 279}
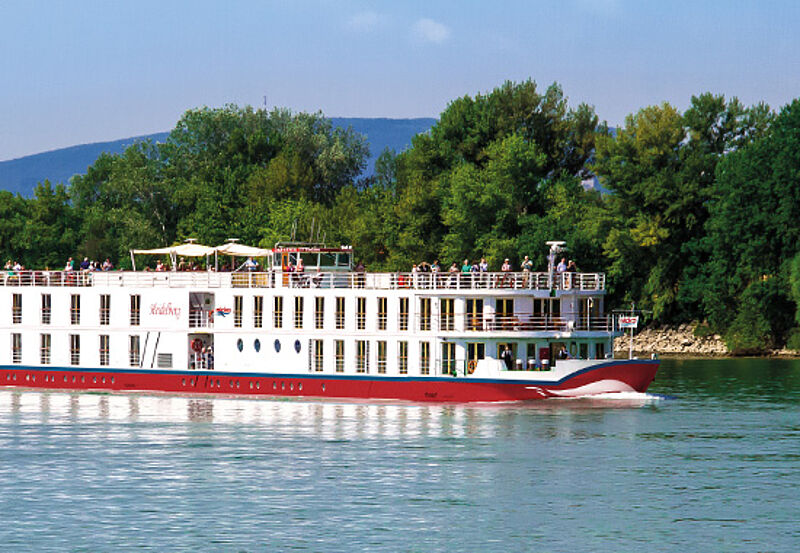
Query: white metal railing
{"x": 512, "y": 322}
{"x": 344, "y": 280}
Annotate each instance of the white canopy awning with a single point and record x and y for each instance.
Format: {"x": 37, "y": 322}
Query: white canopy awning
{"x": 240, "y": 250}
{"x": 184, "y": 250}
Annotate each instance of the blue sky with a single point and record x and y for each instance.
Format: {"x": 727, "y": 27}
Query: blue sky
{"x": 88, "y": 71}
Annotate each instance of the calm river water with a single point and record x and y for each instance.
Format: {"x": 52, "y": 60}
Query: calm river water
{"x": 709, "y": 461}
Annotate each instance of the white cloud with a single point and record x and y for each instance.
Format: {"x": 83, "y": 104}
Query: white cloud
{"x": 364, "y": 21}
{"x": 429, "y": 30}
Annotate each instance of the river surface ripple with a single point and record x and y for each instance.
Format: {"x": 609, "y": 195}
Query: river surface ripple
{"x": 708, "y": 461}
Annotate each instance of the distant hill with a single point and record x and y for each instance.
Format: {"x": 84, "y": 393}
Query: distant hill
{"x": 21, "y": 175}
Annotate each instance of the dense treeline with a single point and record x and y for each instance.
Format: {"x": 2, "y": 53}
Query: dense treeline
{"x": 702, "y": 222}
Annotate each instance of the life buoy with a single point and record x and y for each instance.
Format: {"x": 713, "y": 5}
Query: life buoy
{"x": 471, "y": 366}
{"x": 197, "y": 344}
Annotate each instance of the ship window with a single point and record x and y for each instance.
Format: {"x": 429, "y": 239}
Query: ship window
{"x": 600, "y": 350}
{"x": 16, "y": 309}
{"x": 298, "y": 312}
{"x": 361, "y": 356}
{"x": 16, "y": 348}
{"x": 318, "y": 355}
{"x": 133, "y": 350}
{"x": 277, "y": 312}
{"x": 75, "y": 309}
{"x": 237, "y": 311}
{"x": 447, "y": 310}
{"x": 340, "y": 305}
{"x": 136, "y": 302}
{"x": 46, "y": 308}
{"x": 382, "y": 302}
{"x": 258, "y": 311}
{"x": 424, "y": 357}
{"x": 257, "y": 345}
{"x": 382, "y": 356}
{"x": 240, "y": 345}
{"x": 319, "y": 312}
{"x": 297, "y": 346}
{"x": 402, "y": 357}
{"x": 474, "y": 314}
{"x": 361, "y": 313}
{"x": 339, "y": 355}
{"x": 104, "y": 350}
{"x": 278, "y": 346}
{"x": 75, "y": 349}
{"x": 105, "y": 308}
{"x": 424, "y": 313}
{"x": 403, "y": 317}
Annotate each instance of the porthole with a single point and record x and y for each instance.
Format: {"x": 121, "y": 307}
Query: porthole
{"x": 65, "y": 378}
{"x": 323, "y": 386}
{"x": 27, "y": 377}
{"x": 258, "y": 385}
{"x": 83, "y": 379}
{"x": 191, "y": 382}
{"x": 291, "y": 387}
{"x": 297, "y": 346}
{"x": 104, "y": 380}
{"x": 257, "y": 345}
{"x": 237, "y": 384}
{"x": 73, "y": 379}
{"x": 94, "y": 380}
{"x": 230, "y": 383}
{"x": 283, "y": 385}
{"x": 218, "y": 384}
{"x": 240, "y": 344}
{"x": 300, "y": 387}
{"x": 112, "y": 379}
{"x": 33, "y": 378}
{"x": 183, "y": 382}
{"x": 274, "y": 385}
{"x": 251, "y": 385}
{"x": 278, "y": 346}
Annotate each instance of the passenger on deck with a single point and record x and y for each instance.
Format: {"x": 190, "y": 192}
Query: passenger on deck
{"x": 85, "y": 264}
{"x": 527, "y": 265}
{"x": 562, "y": 266}
{"x": 571, "y": 267}
{"x": 107, "y": 265}
{"x": 160, "y": 266}
{"x": 70, "y": 266}
{"x": 250, "y": 265}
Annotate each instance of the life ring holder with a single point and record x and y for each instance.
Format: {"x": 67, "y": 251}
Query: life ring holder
{"x": 197, "y": 345}
{"x": 471, "y": 366}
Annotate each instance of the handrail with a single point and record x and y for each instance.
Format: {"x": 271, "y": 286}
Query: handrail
{"x": 334, "y": 279}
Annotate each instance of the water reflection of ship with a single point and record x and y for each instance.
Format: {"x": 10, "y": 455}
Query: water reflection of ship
{"x": 320, "y": 419}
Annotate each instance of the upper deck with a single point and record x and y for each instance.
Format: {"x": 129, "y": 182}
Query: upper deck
{"x": 505, "y": 281}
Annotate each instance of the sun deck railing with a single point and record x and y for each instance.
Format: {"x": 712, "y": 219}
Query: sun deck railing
{"x": 343, "y": 280}
{"x": 512, "y": 322}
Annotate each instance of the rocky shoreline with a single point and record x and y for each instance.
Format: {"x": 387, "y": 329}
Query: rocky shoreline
{"x": 680, "y": 340}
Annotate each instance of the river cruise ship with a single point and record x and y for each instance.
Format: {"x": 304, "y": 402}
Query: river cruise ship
{"x": 327, "y": 330}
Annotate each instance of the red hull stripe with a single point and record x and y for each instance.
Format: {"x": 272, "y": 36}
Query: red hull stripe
{"x": 621, "y": 375}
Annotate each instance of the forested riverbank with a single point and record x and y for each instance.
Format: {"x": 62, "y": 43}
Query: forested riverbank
{"x": 701, "y": 223}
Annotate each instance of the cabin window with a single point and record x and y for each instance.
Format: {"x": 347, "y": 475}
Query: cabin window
{"x": 237, "y": 311}
{"x": 382, "y": 313}
{"x": 104, "y": 350}
{"x": 474, "y": 314}
{"x": 600, "y": 350}
{"x": 75, "y": 309}
{"x": 362, "y": 352}
{"x": 277, "y": 312}
{"x": 504, "y": 313}
{"x": 319, "y": 312}
{"x": 446, "y": 308}
{"x": 425, "y": 357}
{"x": 476, "y": 351}
{"x": 403, "y": 314}
{"x": 298, "y": 312}
{"x": 448, "y": 358}
{"x": 583, "y": 351}
{"x": 340, "y": 312}
{"x": 16, "y": 309}
{"x": 16, "y": 348}
{"x": 402, "y": 357}
{"x": 258, "y": 311}
{"x": 105, "y": 308}
{"x": 136, "y": 304}
{"x": 424, "y": 313}
{"x": 75, "y": 349}
{"x": 133, "y": 350}
{"x": 318, "y": 355}
{"x": 47, "y": 303}
{"x": 44, "y": 349}
{"x": 361, "y": 313}
{"x": 382, "y": 356}
{"x": 339, "y": 345}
